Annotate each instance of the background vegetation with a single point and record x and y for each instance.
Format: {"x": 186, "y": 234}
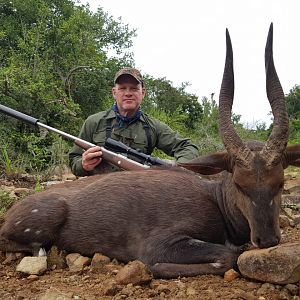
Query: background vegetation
{"x": 57, "y": 63}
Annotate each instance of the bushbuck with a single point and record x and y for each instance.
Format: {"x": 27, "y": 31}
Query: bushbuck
{"x": 171, "y": 219}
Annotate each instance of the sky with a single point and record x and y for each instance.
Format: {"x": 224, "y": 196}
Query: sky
{"x": 184, "y": 41}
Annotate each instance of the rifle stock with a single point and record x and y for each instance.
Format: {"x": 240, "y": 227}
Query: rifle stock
{"x": 118, "y": 160}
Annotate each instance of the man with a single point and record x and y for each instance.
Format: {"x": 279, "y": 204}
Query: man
{"x": 126, "y": 122}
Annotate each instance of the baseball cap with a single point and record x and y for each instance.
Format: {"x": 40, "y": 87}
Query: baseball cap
{"x": 130, "y": 71}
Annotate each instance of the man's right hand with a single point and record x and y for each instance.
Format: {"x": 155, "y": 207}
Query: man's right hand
{"x": 91, "y": 158}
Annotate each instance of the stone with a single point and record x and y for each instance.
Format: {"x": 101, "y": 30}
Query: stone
{"x": 76, "y": 262}
{"x": 279, "y": 264}
{"x": 291, "y": 200}
{"x": 110, "y": 287}
{"x": 99, "y": 260}
{"x": 12, "y": 256}
{"x": 190, "y": 291}
{"x": 33, "y": 277}
{"x": 293, "y": 289}
{"x": 56, "y": 259}
{"x": 32, "y": 265}
{"x": 134, "y": 272}
{"x": 265, "y": 288}
{"x": 54, "y": 294}
{"x": 230, "y": 275}
{"x": 21, "y": 192}
{"x": 284, "y": 221}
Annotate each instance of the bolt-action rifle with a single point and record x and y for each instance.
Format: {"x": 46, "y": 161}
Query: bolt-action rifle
{"x": 116, "y": 159}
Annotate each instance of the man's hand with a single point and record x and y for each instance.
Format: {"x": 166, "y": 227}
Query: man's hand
{"x": 91, "y": 158}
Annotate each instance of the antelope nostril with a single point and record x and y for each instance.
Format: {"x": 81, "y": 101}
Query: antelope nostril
{"x": 266, "y": 243}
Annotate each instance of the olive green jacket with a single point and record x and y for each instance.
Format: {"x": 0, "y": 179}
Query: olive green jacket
{"x": 134, "y": 135}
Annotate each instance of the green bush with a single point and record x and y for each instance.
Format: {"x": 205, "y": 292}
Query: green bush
{"x": 6, "y": 201}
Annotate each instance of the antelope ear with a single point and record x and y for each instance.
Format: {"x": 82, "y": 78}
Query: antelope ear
{"x": 209, "y": 164}
{"x": 292, "y": 156}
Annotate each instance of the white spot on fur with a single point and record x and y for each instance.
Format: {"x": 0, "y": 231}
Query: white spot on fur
{"x": 38, "y": 232}
{"x": 27, "y": 230}
{"x": 42, "y": 252}
{"x": 271, "y": 203}
{"x": 195, "y": 242}
{"x": 217, "y": 265}
{"x": 35, "y": 210}
{"x": 253, "y": 203}
{"x": 18, "y": 222}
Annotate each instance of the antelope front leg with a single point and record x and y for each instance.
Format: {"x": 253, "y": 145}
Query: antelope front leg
{"x": 191, "y": 257}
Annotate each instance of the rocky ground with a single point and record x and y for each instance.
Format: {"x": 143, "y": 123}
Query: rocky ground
{"x": 101, "y": 280}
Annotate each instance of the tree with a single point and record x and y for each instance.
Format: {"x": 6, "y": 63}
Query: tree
{"x": 293, "y": 102}
{"x": 45, "y": 45}
{"x": 162, "y": 95}
{"x": 54, "y": 63}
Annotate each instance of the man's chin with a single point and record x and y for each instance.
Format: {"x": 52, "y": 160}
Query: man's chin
{"x": 128, "y": 111}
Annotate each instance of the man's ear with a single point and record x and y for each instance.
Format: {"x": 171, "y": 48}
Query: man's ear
{"x": 209, "y": 164}
{"x": 113, "y": 91}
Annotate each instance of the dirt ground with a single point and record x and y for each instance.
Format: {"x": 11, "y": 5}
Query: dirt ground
{"x": 95, "y": 284}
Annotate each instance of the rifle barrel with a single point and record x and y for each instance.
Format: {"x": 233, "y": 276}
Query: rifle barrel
{"x": 118, "y": 160}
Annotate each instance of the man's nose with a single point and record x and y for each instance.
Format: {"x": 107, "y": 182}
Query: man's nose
{"x": 128, "y": 91}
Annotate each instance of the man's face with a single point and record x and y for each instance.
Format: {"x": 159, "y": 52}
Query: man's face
{"x": 128, "y": 94}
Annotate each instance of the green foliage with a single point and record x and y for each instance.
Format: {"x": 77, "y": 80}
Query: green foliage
{"x": 5, "y": 160}
{"x": 6, "y": 201}
{"x": 207, "y": 131}
{"x": 162, "y": 95}
{"x": 293, "y": 107}
{"x": 294, "y": 131}
{"x": 11, "y": 164}
{"x": 54, "y": 66}
{"x": 38, "y": 188}
{"x": 293, "y": 102}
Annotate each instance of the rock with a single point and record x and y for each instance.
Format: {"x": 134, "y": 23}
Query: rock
{"x": 32, "y": 265}
{"x": 163, "y": 288}
{"x": 33, "y": 277}
{"x": 11, "y": 257}
{"x": 54, "y": 294}
{"x": 134, "y": 272}
{"x": 110, "y": 287}
{"x": 180, "y": 285}
{"x": 99, "y": 260}
{"x": 293, "y": 289}
{"x": 284, "y": 295}
{"x": 21, "y": 192}
{"x": 190, "y": 291}
{"x": 295, "y": 221}
{"x": 284, "y": 221}
{"x": 47, "y": 184}
{"x": 290, "y": 199}
{"x": 294, "y": 189}
{"x": 56, "y": 259}
{"x": 76, "y": 262}
{"x": 231, "y": 275}
{"x": 279, "y": 264}
{"x": 241, "y": 294}
{"x": 265, "y": 288}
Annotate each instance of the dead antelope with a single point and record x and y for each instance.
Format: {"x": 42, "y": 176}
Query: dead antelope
{"x": 172, "y": 220}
